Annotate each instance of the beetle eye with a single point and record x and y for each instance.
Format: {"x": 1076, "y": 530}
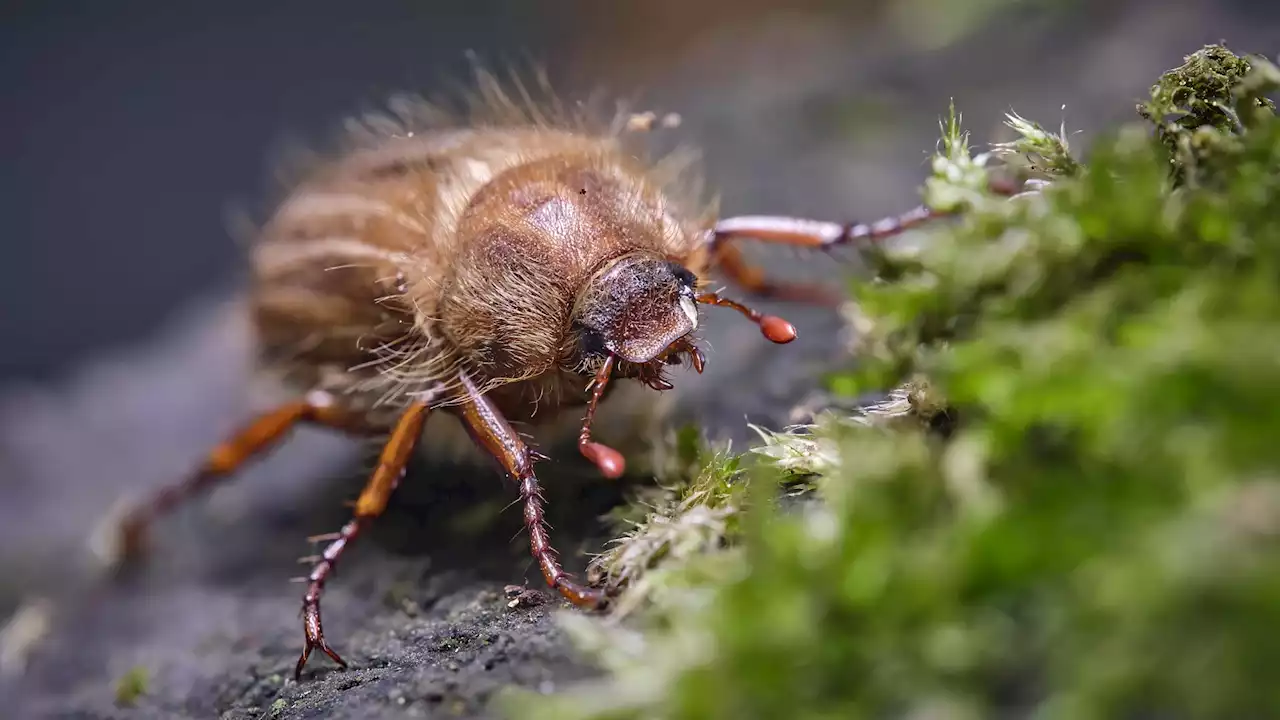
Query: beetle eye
{"x": 591, "y": 341}
{"x": 685, "y": 276}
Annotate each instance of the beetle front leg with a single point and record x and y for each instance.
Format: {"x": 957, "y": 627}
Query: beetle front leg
{"x": 813, "y": 234}
{"x": 816, "y": 234}
{"x": 371, "y": 503}
{"x": 797, "y": 232}
{"x": 492, "y": 432}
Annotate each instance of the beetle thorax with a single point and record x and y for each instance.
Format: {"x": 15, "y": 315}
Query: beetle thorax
{"x": 527, "y": 245}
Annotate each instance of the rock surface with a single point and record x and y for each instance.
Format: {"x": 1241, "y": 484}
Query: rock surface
{"x": 209, "y": 625}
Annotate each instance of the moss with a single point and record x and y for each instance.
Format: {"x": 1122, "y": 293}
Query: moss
{"x": 131, "y": 686}
{"x": 1047, "y": 154}
{"x": 1200, "y": 108}
{"x": 1096, "y": 533}
{"x": 692, "y": 511}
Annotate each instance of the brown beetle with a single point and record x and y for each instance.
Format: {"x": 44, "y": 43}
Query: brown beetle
{"x": 507, "y": 264}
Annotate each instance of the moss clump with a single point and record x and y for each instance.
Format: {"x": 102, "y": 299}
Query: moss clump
{"x": 1098, "y": 535}
{"x": 131, "y": 686}
{"x": 693, "y": 511}
{"x": 1201, "y": 108}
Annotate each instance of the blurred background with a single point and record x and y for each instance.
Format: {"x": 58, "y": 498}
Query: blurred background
{"x": 132, "y": 131}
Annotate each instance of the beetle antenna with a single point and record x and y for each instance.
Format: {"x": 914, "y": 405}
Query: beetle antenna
{"x": 771, "y": 326}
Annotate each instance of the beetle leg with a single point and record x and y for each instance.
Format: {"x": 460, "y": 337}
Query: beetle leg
{"x": 798, "y": 232}
{"x": 372, "y": 501}
{"x": 729, "y": 260}
{"x": 251, "y": 441}
{"x": 495, "y": 435}
{"x": 815, "y": 234}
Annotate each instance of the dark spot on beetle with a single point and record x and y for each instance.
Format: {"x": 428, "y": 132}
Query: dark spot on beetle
{"x": 391, "y": 170}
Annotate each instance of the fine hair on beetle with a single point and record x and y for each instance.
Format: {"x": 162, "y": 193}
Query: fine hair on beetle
{"x": 508, "y": 263}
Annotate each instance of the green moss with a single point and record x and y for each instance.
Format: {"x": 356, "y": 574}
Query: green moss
{"x": 1200, "y": 108}
{"x": 1047, "y": 154}
{"x": 692, "y": 511}
{"x": 1097, "y": 533}
{"x": 131, "y": 686}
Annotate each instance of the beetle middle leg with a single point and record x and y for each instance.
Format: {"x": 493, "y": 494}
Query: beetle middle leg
{"x": 254, "y": 439}
{"x": 729, "y": 260}
{"x": 495, "y": 435}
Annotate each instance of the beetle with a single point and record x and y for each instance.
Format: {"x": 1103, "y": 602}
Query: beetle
{"x": 507, "y": 265}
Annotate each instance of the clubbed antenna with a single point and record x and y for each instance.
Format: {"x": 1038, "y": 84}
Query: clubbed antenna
{"x": 771, "y": 326}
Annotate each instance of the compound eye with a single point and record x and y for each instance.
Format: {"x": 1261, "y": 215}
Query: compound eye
{"x": 688, "y": 279}
{"x": 591, "y": 341}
